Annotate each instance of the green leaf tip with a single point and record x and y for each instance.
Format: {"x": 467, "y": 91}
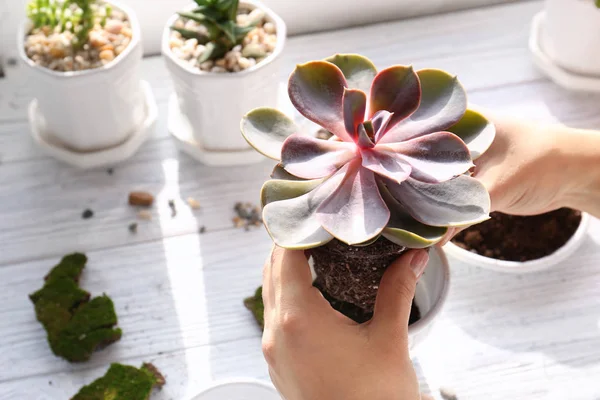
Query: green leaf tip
{"x": 75, "y": 325}
{"x": 256, "y": 306}
{"x": 123, "y": 382}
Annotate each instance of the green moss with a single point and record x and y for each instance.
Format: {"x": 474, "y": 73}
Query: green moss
{"x": 123, "y": 382}
{"x": 75, "y": 325}
{"x": 256, "y": 306}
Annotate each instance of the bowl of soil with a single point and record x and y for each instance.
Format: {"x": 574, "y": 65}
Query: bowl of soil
{"x": 430, "y": 295}
{"x": 509, "y": 243}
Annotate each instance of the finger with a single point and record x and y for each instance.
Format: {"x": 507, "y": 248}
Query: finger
{"x": 291, "y": 277}
{"x": 396, "y": 293}
{"x": 268, "y": 294}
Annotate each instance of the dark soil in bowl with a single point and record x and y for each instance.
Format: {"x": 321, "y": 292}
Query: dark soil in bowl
{"x": 515, "y": 238}
{"x": 349, "y": 276}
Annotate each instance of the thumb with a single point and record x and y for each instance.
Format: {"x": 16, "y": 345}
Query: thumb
{"x": 396, "y": 293}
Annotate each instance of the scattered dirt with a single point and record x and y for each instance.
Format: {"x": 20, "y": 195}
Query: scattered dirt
{"x": 133, "y": 227}
{"x": 247, "y": 215}
{"x": 515, "y": 238}
{"x": 87, "y": 214}
{"x": 173, "y": 208}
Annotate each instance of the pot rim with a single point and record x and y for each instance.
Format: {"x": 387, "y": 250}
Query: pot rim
{"x": 425, "y": 321}
{"x": 247, "y": 381}
{"x": 192, "y": 71}
{"x": 135, "y": 41}
{"x": 517, "y": 267}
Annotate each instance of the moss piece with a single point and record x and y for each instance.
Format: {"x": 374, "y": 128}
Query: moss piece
{"x": 256, "y": 306}
{"x": 123, "y": 382}
{"x": 75, "y": 325}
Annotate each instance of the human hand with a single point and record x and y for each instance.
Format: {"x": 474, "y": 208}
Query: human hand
{"x": 316, "y": 353}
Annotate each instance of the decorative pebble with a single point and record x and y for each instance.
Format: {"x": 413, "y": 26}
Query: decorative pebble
{"x": 144, "y": 199}
{"x": 448, "y": 393}
{"x": 193, "y": 203}
{"x": 269, "y": 27}
{"x": 87, "y": 214}
{"x": 107, "y": 55}
{"x": 146, "y": 215}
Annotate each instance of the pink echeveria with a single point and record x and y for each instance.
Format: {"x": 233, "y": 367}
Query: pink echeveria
{"x": 397, "y": 165}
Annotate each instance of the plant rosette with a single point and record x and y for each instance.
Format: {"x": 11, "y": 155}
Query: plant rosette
{"x": 89, "y": 94}
{"x": 393, "y": 177}
{"x": 218, "y": 76}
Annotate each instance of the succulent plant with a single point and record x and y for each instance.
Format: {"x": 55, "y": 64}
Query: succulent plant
{"x": 397, "y": 166}
{"x": 77, "y": 16}
{"x": 222, "y": 31}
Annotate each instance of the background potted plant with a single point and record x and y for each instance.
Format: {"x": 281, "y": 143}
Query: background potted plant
{"x": 565, "y": 38}
{"x": 83, "y": 57}
{"x": 223, "y": 56}
{"x": 393, "y": 176}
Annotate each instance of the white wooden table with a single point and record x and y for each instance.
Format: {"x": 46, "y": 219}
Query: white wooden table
{"x": 178, "y": 294}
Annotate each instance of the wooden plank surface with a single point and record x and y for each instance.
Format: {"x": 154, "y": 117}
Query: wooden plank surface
{"x": 179, "y": 294}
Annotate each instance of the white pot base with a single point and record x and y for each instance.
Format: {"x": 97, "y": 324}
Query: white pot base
{"x": 182, "y": 131}
{"x": 99, "y": 158}
{"x": 559, "y": 75}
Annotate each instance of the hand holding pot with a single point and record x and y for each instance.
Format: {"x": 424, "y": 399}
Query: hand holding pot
{"x": 532, "y": 169}
{"x": 314, "y": 352}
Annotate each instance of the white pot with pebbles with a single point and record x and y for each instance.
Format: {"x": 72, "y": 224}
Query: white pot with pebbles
{"x": 219, "y": 75}
{"x": 90, "y": 106}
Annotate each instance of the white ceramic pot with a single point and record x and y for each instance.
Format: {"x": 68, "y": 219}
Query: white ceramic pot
{"x": 214, "y": 103}
{"x": 93, "y": 109}
{"x": 571, "y": 35}
{"x": 516, "y": 267}
{"x": 239, "y": 389}
{"x": 430, "y": 296}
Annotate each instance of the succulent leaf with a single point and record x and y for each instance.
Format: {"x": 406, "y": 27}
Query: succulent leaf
{"x": 386, "y": 163}
{"x": 188, "y": 34}
{"x": 280, "y": 173}
{"x": 458, "y": 202}
{"x": 436, "y": 157}
{"x": 406, "y": 231}
{"x": 380, "y": 121}
{"x": 443, "y": 103}
{"x": 365, "y": 133}
{"x": 310, "y": 158}
{"x": 278, "y": 189}
{"x": 359, "y": 71}
{"x": 356, "y": 193}
{"x": 293, "y": 223}
{"x": 316, "y": 89}
{"x": 355, "y": 106}
{"x": 476, "y": 131}
{"x": 396, "y": 90}
{"x": 213, "y": 50}
{"x": 266, "y": 129}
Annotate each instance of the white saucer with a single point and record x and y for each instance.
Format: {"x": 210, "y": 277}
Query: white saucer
{"x": 239, "y": 390}
{"x": 181, "y": 131}
{"x": 99, "y": 158}
{"x": 559, "y": 75}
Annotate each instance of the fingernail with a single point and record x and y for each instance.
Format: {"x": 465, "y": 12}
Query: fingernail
{"x": 419, "y": 262}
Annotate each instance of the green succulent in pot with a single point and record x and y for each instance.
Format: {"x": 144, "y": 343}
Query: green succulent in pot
{"x": 222, "y": 32}
{"x": 394, "y": 176}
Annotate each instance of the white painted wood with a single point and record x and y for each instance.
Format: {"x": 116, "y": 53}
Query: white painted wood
{"x": 178, "y": 294}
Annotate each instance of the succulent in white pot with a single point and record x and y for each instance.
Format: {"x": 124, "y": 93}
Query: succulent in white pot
{"x": 394, "y": 176}
{"x": 224, "y": 58}
{"x": 571, "y": 35}
{"x": 83, "y": 58}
